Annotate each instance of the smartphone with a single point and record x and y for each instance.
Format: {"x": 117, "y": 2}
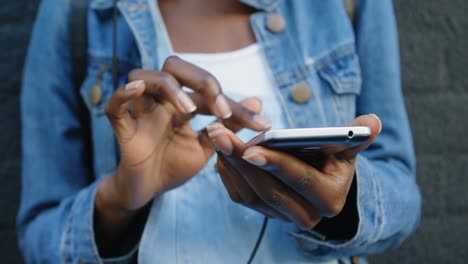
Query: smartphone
{"x": 306, "y": 143}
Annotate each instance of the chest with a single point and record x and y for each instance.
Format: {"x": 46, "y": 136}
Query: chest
{"x": 311, "y": 56}
{"x": 207, "y": 26}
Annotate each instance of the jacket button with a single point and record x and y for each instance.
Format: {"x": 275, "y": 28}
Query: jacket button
{"x": 95, "y": 94}
{"x": 301, "y": 93}
{"x": 275, "y": 23}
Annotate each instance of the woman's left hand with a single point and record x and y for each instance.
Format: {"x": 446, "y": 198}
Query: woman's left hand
{"x": 280, "y": 185}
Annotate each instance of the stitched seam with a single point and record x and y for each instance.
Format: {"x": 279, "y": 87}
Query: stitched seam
{"x": 381, "y": 213}
{"x": 306, "y": 70}
{"x": 144, "y": 55}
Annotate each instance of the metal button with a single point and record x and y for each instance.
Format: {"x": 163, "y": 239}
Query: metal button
{"x": 301, "y": 93}
{"x": 95, "y": 94}
{"x": 275, "y": 23}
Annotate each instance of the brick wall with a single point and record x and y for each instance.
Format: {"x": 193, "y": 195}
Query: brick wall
{"x": 16, "y": 18}
{"x": 435, "y": 81}
{"x": 434, "y": 58}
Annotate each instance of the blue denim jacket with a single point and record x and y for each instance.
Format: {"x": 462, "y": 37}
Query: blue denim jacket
{"x": 350, "y": 72}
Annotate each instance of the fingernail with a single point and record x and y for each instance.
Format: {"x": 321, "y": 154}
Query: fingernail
{"x": 215, "y": 133}
{"x": 223, "y": 107}
{"x": 254, "y": 158}
{"x": 213, "y": 126}
{"x": 220, "y": 140}
{"x": 380, "y": 129}
{"x": 264, "y": 122}
{"x": 134, "y": 85}
{"x": 186, "y": 102}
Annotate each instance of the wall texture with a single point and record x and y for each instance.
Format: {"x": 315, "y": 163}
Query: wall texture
{"x": 16, "y": 18}
{"x": 435, "y": 81}
{"x": 434, "y": 58}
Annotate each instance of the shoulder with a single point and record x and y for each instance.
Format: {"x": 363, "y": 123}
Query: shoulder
{"x": 53, "y": 17}
{"x": 50, "y": 35}
{"x": 49, "y": 43}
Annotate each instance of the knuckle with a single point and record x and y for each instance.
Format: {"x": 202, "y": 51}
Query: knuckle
{"x": 208, "y": 82}
{"x": 170, "y": 61}
{"x": 307, "y": 223}
{"x": 274, "y": 200}
{"x": 107, "y": 110}
{"x": 133, "y": 74}
{"x": 244, "y": 111}
{"x": 165, "y": 79}
{"x": 252, "y": 201}
{"x": 112, "y": 117}
{"x": 333, "y": 208}
{"x": 110, "y": 114}
{"x": 304, "y": 183}
{"x": 235, "y": 198}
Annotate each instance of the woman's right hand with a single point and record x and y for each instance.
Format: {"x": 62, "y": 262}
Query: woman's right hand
{"x": 158, "y": 148}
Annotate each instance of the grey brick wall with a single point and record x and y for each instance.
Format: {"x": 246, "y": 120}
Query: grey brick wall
{"x": 435, "y": 81}
{"x": 16, "y": 18}
{"x": 434, "y": 60}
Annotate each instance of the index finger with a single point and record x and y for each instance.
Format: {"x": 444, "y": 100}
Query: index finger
{"x": 201, "y": 82}
{"x": 245, "y": 114}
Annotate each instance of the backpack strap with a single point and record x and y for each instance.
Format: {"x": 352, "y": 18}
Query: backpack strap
{"x": 350, "y": 6}
{"x": 79, "y": 40}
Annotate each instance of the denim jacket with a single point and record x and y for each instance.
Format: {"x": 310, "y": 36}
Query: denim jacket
{"x": 68, "y": 144}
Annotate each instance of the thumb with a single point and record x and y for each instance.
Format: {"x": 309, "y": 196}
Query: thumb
{"x": 371, "y": 121}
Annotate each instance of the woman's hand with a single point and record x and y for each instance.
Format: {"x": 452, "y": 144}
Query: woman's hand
{"x": 282, "y": 186}
{"x": 158, "y": 148}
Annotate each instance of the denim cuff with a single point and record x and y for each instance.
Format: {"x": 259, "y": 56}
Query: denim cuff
{"x": 78, "y": 240}
{"x": 370, "y": 222}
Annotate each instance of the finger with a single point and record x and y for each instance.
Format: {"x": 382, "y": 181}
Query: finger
{"x": 200, "y": 81}
{"x": 228, "y": 184}
{"x": 371, "y": 121}
{"x": 327, "y": 192}
{"x": 277, "y": 195}
{"x": 224, "y": 140}
{"x": 117, "y": 110}
{"x": 217, "y": 137}
{"x": 246, "y": 114}
{"x": 205, "y": 142}
{"x": 254, "y": 104}
{"x": 162, "y": 86}
{"x": 207, "y": 139}
{"x": 142, "y": 105}
{"x": 271, "y": 190}
{"x": 243, "y": 192}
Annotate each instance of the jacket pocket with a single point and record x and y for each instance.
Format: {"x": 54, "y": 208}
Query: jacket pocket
{"x": 342, "y": 81}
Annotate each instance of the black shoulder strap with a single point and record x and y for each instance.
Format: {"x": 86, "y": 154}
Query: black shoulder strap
{"x": 79, "y": 40}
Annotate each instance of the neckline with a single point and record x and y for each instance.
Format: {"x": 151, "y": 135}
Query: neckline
{"x": 220, "y": 56}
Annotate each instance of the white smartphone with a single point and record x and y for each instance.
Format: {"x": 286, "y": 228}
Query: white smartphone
{"x": 304, "y": 142}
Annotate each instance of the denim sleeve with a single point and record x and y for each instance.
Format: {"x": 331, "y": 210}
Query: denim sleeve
{"x": 388, "y": 198}
{"x": 55, "y": 220}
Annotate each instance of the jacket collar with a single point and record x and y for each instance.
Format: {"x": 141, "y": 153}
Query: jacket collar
{"x": 101, "y": 4}
{"x": 266, "y": 5}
